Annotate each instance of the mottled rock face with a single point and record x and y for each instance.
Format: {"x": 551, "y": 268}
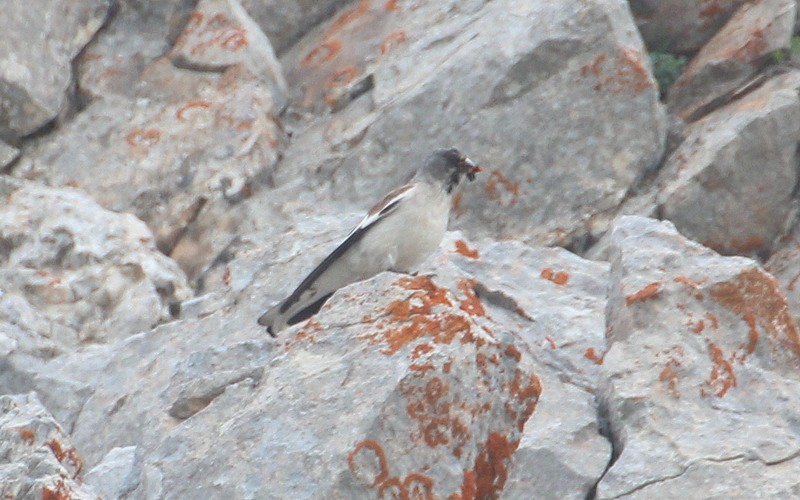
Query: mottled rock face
{"x": 170, "y": 170}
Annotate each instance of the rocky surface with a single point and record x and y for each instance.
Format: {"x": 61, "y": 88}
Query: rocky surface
{"x": 171, "y": 169}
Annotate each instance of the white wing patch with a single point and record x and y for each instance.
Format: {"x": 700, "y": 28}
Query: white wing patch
{"x": 385, "y": 206}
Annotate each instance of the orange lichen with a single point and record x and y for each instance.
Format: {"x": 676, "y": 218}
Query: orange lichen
{"x": 318, "y": 56}
{"x": 550, "y": 341}
{"x": 490, "y": 469}
{"x": 629, "y": 72}
{"x": 62, "y": 492}
{"x": 180, "y": 114}
{"x": 512, "y": 352}
{"x": 143, "y": 137}
{"x": 470, "y": 304}
{"x": 559, "y": 278}
{"x": 592, "y": 356}
{"x": 752, "y": 335}
{"x": 722, "y": 377}
{"x": 497, "y": 178}
{"x": 690, "y": 283}
{"x": 341, "y": 77}
{"x": 463, "y": 249}
{"x": 650, "y": 291}
{"x": 71, "y": 454}
{"x": 348, "y": 17}
{"x": 27, "y": 436}
{"x": 713, "y": 319}
{"x": 392, "y": 39}
{"x": 698, "y": 327}
{"x": 391, "y": 6}
{"x": 748, "y": 245}
{"x": 756, "y": 297}
{"x": 364, "y": 448}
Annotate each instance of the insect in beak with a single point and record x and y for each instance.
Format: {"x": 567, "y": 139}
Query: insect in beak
{"x": 471, "y": 167}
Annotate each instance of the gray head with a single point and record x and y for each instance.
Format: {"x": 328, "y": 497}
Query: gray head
{"x": 447, "y": 166}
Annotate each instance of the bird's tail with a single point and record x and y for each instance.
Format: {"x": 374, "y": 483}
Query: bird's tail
{"x": 275, "y": 320}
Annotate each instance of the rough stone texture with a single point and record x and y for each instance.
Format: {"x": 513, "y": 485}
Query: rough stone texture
{"x": 729, "y": 185}
{"x": 72, "y": 274}
{"x": 733, "y": 56}
{"x": 285, "y": 22}
{"x": 678, "y": 26}
{"x": 8, "y": 154}
{"x": 38, "y": 39}
{"x": 138, "y": 33}
{"x": 221, "y": 34}
{"x": 440, "y": 75}
{"x": 784, "y": 265}
{"x": 182, "y": 167}
{"x": 700, "y": 348}
{"x": 38, "y": 460}
{"x": 118, "y": 474}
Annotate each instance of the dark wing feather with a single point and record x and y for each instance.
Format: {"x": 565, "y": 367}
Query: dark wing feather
{"x": 384, "y": 208}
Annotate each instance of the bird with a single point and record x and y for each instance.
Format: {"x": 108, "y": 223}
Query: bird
{"x": 397, "y": 234}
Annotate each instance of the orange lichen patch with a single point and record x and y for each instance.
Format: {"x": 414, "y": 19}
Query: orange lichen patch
{"x": 490, "y": 469}
{"x": 469, "y": 488}
{"x": 747, "y": 245}
{"x": 670, "y": 376}
{"x": 629, "y": 72}
{"x": 463, "y": 249}
{"x": 367, "y": 462}
{"x": 437, "y": 295}
{"x": 752, "y": 336}
{"x": 592, "y": 356}
{"x": 456, "y": 207}
{"x": 712, "y": 9}
{"x": 417, "y": 486}
{"x": 443, "y": 330}
{"x": 650, "y": 291}
{"x": 552, "y": 342}
{"x": 713, "y": 319}
{"x": 70, "y": 455}
{"x": 348, "y": 17}
{"x": 27, "y": 436}
{"x": 234, "y": 41}
{"x": 749, "y": 51}
{"x": 526, "y": 390}
{"x": 497, "y": 178}
{"x": 318, "y": 56}
{"x": 756, "y": 297}
{"x": 512, "y": 352}
{"x": 341, "y": 77}
{"x": 470, "y": 304}
{"x": 559, "y": 278}
{"x": 698, "y": 327}
{"x": 180, "y": 114}
{"x": 420, "y": 349}
{"x": 392, "y": 39}
{"x": 391, "y": 488}
{"x": 62, "y": 492}
{"x": 722, "y": 377}
{"x": 141, "y": 137}
{"x": 391, "y": 6}
{"x": 689, "y": 283}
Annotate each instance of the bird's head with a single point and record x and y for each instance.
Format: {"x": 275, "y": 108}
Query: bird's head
{"x": 447, "y": 166}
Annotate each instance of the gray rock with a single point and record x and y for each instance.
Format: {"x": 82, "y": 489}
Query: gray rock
{"x": 38, "y": 39}
{"x": 73, "y": 272}
{"x": 116, "y": 60}
{"x": 221, "y": 34}
{"x": 181, "y": 165}
{"x": 543, "y": 184}
{"x": 677, "y": 26}
{"x": 729, "y": 185}
{"x": 784, "y": 265}
{"x": 38, "y": 459}
{"x": 118, "y": 474}
{"x": 732, "y": 57}
{"x": 285, "y": 22}
{"x": 694, "y": 338}
{"x": 8, "y": 154}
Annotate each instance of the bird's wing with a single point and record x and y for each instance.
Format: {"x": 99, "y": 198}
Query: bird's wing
{"x": 376, "y": 214}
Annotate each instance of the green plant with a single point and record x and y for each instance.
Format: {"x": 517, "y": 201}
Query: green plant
{"x": 666, "y": 69}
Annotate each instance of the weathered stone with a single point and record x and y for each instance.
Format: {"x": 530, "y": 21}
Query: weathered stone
{"x": 285, "y": 22}
{"x": 733, "y": 56}
{"x": 784, "y": 264}
{"x": 541, "y": 186}
{"x": 678, "y": 26}
{"x": 221, "y": 34}
{"x": 7, "y": 155}
{"x": 38, "y": 39}
{"x": 694, "y": 340}
{"x": 182, "y": 167}
{"x": 118, "y": 474}
{"x": 38, "y": 460}
{"x": 73, "y": 272}
{"x": 730, "y": 183}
